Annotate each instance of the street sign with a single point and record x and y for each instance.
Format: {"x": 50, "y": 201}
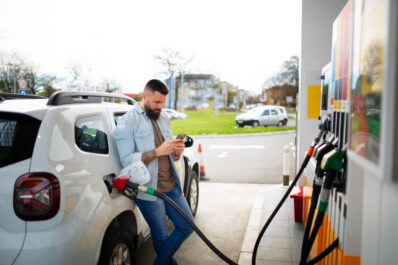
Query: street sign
{"x": 22, "y": 91}
{"x": 22, "y": 84}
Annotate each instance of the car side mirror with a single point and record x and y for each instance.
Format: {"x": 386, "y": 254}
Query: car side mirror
{"x": 188, "y": 141}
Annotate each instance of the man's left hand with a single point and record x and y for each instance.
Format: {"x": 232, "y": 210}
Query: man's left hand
{"x": 179, "y": 149}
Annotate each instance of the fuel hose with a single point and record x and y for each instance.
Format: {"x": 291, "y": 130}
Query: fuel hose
{"x": 324, "y": 253}
{"x": 164, "y": 197}
{"x": 316, "y": 187}
{"x": 130, "y": 186}
{"x": 303, "y": 165}
{"x": 331, "y": 163}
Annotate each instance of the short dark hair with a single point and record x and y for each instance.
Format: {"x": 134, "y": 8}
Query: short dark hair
{"x": 156, "y": 85}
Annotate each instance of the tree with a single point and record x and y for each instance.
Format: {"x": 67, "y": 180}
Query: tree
{"x": 79, "y": 73}
{"x": 174, "y": 62}
{"x": 289, "y": 73}
{"x": 110, "y": 86}
{"x": 285, "y": 83}
{"x": 14, "y": 67}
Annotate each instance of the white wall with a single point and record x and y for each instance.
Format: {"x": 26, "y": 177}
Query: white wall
{"x": 316, "y": 43}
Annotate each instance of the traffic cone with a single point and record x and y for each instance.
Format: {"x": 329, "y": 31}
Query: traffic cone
{"x": 202, "y": 166}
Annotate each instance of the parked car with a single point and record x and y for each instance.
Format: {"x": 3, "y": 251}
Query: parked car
{"x": 284, "y": 114}
{"x": 175, "y": 115}
{"x": 261, "y": 116}
{"x": 57, "y": 157}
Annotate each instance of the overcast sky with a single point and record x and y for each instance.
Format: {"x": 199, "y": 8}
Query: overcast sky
{"x": 242, "y": 42}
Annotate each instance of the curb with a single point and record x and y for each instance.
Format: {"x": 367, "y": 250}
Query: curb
{"x": 252, "y": 230}
{"x": 209, "y": 136}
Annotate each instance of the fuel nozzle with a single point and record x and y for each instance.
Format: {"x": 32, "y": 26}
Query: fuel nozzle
{"x": 123, "y": 185}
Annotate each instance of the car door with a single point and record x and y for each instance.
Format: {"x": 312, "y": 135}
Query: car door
{"x": 265, "y": 118}
{"x": 274, "y": 117}
{"x": 115, "y": 113}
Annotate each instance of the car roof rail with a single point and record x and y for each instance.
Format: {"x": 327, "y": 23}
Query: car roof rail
{"x": 81, "y": 97}
{"x": 4, "y": 96}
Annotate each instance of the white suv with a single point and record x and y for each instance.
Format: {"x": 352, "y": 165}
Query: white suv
{"x": 57, "y": 157}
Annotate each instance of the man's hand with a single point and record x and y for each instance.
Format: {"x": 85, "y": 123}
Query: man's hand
{"x": 179, "y": 148}
{"x": 167, "y": 147}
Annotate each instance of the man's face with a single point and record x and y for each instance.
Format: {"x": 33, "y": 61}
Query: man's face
{"x": 153, "y": 102}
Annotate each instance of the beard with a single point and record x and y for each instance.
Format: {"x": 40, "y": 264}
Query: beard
{"x": 153, "y": 114}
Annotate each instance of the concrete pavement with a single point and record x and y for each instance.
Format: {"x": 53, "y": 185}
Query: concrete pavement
{"x": 223, "y": 215}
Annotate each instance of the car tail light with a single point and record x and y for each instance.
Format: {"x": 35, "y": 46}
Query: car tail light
{"x": 36, "y": 196}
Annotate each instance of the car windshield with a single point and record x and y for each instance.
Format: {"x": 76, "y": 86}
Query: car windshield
{"x": 256, "y": 110}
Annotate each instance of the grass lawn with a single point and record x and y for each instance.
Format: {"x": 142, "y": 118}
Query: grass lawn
{"x": 203, "y": 122}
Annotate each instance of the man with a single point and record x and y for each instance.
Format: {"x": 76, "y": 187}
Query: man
{"x": 144, "y": 134}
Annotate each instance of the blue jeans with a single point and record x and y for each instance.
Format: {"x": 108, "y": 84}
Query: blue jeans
{"x": 155, "y": 213}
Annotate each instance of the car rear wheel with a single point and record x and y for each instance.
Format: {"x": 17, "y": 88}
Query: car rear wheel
{"x": 255, "y": 123}
{"x": 240, "y": 125}
{"x": 117, "y": 248}
{"x": 280, "y": 124}
{"x": 193, "y": 192}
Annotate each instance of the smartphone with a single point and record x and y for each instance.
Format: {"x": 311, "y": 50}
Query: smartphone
{"x": 181, "y": 135}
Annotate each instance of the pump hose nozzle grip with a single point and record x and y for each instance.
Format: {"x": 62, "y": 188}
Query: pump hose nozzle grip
{"x": 120, "y": 182}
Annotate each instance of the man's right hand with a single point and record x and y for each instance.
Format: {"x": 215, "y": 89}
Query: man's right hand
{"x": 166, "y": 147}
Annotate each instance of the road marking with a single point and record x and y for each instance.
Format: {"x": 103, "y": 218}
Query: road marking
{"x": 223, "y": 154}
{"x": 237, "y": 147}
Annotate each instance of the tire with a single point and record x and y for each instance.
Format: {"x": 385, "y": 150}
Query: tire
{"x": 255, "y": 124}
{"x": 193, "y": 192}
{"x": 117, "y": 248}
{"x": 240, "y": 125}
{"x": 280, "y": 124}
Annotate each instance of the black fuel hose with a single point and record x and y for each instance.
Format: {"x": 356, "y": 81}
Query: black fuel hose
{"x": 323, "y": 204}
{"x": 324, "y": 253}
{"x": 316, "y": 190}
{"x": 181, "y": 212}
{"x": 303, "y": 165}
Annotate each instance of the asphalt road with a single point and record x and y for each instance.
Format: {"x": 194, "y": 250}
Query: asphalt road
{"x": 246, "y": 159}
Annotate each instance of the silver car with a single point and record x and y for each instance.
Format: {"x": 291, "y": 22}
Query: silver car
{"x": 262, "y": 116}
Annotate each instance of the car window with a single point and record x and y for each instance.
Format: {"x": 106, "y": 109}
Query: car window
{"x": 90, "y": 135}
{"x": 274, "y": 112}
{"x": 17, "y": 137}
{"x": 117, "y": 116}
{"x": 266, "y": 113}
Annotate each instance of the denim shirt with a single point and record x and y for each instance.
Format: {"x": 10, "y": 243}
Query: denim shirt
{"x": 134, "y": 135}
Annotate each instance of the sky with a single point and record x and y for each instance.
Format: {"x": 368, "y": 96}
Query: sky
{"x": 243, "y": 42}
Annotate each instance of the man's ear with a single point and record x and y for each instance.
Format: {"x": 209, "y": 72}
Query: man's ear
{"x": 144, "y": 96}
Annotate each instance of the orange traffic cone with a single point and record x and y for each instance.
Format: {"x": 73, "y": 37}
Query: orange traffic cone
{"x": 202, "y": 166}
